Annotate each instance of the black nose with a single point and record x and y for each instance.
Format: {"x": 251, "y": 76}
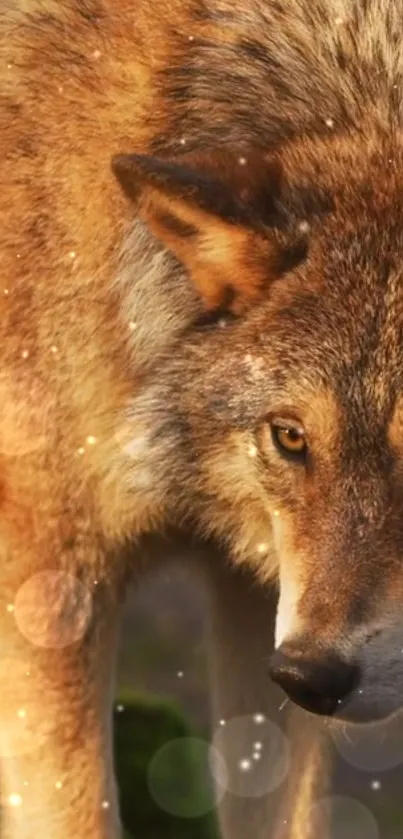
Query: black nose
{"x": 318, "y": 681}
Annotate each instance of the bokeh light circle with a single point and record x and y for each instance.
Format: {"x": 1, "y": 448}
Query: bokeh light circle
{"x": 180, "y": 777}
{"x": 52, "y": 609}
{"x": 342, "y": 817}
{"x": 370, "y": 748}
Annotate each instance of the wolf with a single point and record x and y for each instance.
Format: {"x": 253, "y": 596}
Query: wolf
{"x": 294, "y": 442}
{"x": 201, "y": 314}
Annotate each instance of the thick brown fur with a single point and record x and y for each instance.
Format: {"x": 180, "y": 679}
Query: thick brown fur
{"x": 267, "y": 184}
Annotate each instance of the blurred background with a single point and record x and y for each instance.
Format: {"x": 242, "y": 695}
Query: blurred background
{"x": 162, "y": 727}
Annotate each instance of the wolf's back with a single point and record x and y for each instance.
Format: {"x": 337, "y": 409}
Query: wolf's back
{"x": 261, "y": 71}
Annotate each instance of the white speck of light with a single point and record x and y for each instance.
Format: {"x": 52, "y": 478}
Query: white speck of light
{"x": 72, "y": 254}
{"x": 91, "y": 440}
{"x": 191, "y": 37}
{"x": 120, "y": 708}
{"x": 242, "y": 161}
{"x": 262, "y": 548}
{"x": 257, "y": 756}
{"x": 252, "y": 451}
{"x": 245, "y": 764}
{"x": 222, "y": 323}
{"x": 338, "y": 21}
{"x": 329, "y": 122}
{"x": 9, "y": 66}
{"x": 21, "y": 713}
{"x": 183, "y": 141}
{"x": 132, "y": 325}
{"x": 223, "y": 722}
{"x": 25, "y": 353}
{"x": 81, "y": 450}
{"x": 303, "y": 226}
{"x": 58, "y": 784}
{"x": 15, "y": 800}
{"x": 53, "y": 349}
{"x": 180, "y": 674}
{"x": 10, "y": 607}
{"x": 276, "y": 512}
{"x": 376, "y": 785}
{"x": 6, "y": 291}
{"x": 259, "y": 719}
{"x": 258, "y": 746}
{"x": 96, "y": 54}
{"x": 105, "y": 805}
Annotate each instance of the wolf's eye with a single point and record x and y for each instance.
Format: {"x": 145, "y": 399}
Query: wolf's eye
{"x": 289, "y": 439}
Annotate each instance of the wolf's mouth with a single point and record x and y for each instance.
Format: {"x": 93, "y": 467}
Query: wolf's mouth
{"x": 324, "y": 706}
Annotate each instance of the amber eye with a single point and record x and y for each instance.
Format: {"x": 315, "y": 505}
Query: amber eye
{"x": 289, "y": 439}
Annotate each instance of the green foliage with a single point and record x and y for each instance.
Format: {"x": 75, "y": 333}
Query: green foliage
{"x": 142, "y": 729}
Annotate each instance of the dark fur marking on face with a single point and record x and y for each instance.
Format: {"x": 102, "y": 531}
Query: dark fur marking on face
{"x": 292, "y": 256}
{"x": 210, "y": 319}
{"x": 309, "y": 202}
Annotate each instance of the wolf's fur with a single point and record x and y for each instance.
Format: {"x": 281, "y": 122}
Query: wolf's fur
{"x": 123, "y": 410}
{"x": 319, "y": 342}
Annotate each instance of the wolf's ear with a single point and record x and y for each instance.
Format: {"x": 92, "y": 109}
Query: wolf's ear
{"x": 219, "y": 215}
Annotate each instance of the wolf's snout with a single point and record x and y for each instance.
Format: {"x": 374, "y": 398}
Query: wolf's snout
{"x": 317, "y": 682}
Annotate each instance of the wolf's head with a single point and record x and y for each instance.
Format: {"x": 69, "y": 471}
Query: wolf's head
{"x": 282, "y": 413}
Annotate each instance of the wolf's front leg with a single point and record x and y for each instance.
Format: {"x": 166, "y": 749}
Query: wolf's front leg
{"x": 58, "y": 629}
{"x": 242, "y": 618}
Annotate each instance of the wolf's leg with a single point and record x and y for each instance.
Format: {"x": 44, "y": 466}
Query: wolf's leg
{"x": 59, "y": 629}
{"x": 308, "y": 781}
{"x": 242, "y": 617}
